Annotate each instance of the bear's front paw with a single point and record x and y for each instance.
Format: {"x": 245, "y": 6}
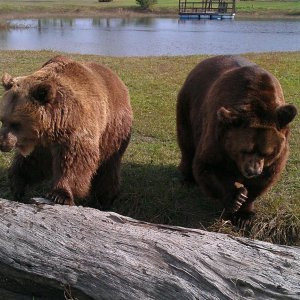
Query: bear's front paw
{"x": 240, "y": 197}
{"x": 40, "y": 201}
{"x": 60, "y": 196}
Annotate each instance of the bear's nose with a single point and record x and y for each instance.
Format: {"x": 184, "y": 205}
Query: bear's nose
{"x": 7, "y": 142}
{"x": 253, "y": 167}
{"x": 251, "y": 172}
{"x": 4, "y": 147}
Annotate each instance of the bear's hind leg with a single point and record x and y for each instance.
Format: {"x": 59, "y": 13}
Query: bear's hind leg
{"x": 185, "y": 142}
{"x": 106, "y": 182}
{"x": 185, "y": 166}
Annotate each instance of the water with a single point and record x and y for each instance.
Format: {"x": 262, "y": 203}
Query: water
{"x": 152, "y": 36}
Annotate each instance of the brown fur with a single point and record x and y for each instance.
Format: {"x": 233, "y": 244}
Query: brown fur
{"x": 70, "y": 121}
{"x": 232, "y": 131}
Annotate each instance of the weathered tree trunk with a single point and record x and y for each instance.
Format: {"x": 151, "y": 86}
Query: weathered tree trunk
{"x": 58, "y": 252}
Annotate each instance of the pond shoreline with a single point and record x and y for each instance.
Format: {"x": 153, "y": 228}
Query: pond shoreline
{"x": 134, "y": 12}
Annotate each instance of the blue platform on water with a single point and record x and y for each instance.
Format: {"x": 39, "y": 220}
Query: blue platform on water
{"x": 207, "y": 16}
{"x": 207, "y": 9}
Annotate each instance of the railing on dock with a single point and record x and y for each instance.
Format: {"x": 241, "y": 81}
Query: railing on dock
{"x": 207, "y": 7}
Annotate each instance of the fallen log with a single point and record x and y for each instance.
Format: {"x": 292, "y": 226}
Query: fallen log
{"x": 60, "y": 252}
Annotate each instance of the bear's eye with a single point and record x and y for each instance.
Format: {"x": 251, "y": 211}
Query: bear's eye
{"x": 15, "y": 126}
{"x": 268, "y": 154}
{"x": 247, "y": 152}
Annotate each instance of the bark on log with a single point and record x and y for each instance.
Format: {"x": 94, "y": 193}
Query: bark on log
{"x": 58, "y": 252}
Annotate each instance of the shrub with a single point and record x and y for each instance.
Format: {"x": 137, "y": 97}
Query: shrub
{"x": 146, "y": 4}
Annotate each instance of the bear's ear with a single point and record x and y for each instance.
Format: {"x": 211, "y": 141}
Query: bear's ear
{"x": 226, "y": 116}
{"x": 42, "y": 93}
{"x": 285, "y": 114}
{"x": 7, "y": 81}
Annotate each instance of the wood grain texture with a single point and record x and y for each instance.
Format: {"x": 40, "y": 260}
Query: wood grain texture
{"x": 58, "y": 252}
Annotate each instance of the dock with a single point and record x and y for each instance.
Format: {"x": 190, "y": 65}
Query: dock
{"x": 207, "y": 9}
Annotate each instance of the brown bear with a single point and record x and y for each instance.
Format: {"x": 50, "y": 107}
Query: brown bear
{"x": 232, "y": 131}
{"x": 68, "y": 121}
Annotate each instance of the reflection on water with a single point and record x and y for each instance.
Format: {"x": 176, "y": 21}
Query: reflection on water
{"x": 152, "y": 36}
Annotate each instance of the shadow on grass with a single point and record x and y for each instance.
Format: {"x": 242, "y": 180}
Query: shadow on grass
{"x": 157, "y": 194}
{"x": 153, "y": 193}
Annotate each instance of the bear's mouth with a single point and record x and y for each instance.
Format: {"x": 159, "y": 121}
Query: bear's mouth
{"x": 251, "y": 173}
{"x": 251, "y": 176}
{"x": 24, "y": 149}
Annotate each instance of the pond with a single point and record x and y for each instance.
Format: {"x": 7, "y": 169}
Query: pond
{"x": 152, "y": 36}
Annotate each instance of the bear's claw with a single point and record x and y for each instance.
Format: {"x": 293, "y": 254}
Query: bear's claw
{"x": 240, "y": 198}
{"x": 60, "y": 196}
{"x": 40, "y": 200}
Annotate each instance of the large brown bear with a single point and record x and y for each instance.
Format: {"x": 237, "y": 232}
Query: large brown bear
{"x": 232, "y": 131}
{"x": 69, "y": 121}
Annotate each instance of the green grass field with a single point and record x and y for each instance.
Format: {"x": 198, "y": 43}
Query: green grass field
{"x": 21, "y": 8}
{"x": 152, "y": 188}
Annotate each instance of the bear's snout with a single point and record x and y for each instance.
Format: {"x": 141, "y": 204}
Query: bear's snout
{"x": 253, "y": 167}
{"x": 7, "y": 142}
{"x": 252, "y": 172}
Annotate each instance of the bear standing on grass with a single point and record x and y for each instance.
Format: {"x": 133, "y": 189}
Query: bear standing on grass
{"x": 71, "y": 122}
{"x": 232, "y": 128}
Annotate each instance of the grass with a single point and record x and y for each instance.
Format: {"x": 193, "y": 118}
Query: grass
{"x": 152, "y": 188}
{"x": 269, "y": 8}
{"x": 20, "y": 8}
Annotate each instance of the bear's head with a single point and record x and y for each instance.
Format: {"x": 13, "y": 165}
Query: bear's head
{"x": 253, "y": 145}
{"x": 22, "y": 113}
